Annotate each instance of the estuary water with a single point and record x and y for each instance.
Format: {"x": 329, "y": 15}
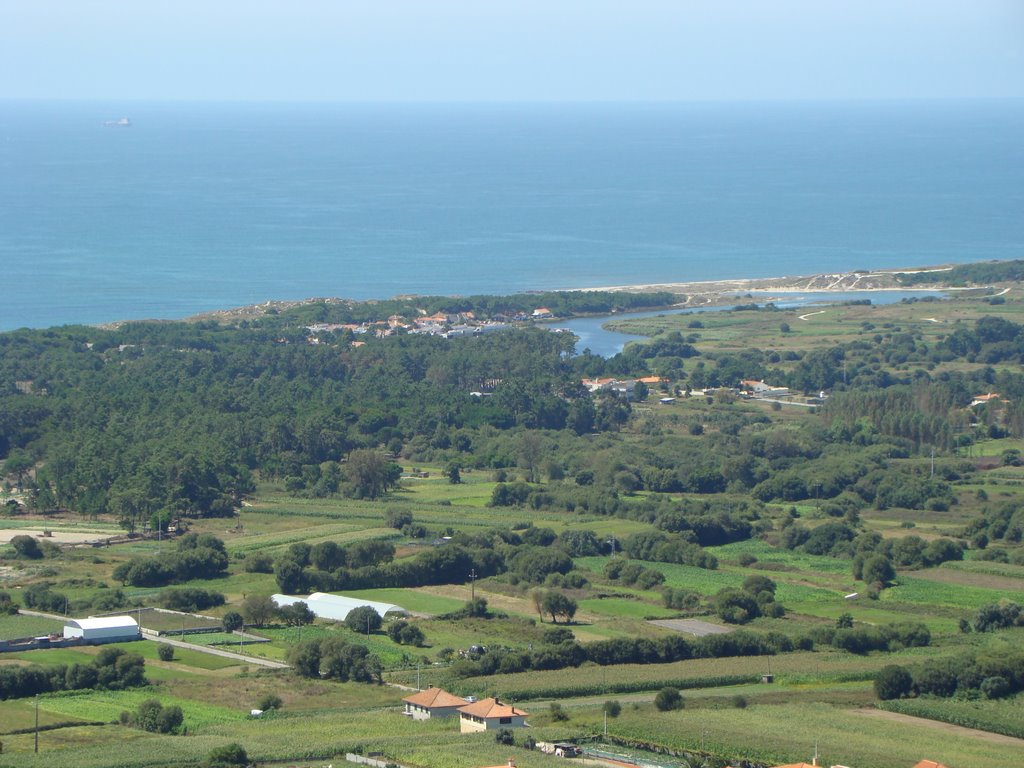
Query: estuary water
{"x": 593, "y": 336}
{"x": 202, "y": 206}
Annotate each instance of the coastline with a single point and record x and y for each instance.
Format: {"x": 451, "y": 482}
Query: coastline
{"x": 698, "y": 293}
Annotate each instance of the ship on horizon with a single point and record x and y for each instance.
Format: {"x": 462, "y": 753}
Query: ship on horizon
{"x": 123, "y": 122}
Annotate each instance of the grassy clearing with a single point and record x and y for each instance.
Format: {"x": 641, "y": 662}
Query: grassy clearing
{"x": 18, "y": 714}
{"x": 872, "y": 612}
{"x": 108, "y": 706}
{"x": 925, "y": 592}
{"x": 159, "y": 621}
{"x": 621, "y": 607}
{"x": 20, "y": 625}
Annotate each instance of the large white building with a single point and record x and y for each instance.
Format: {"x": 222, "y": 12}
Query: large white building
{"x": 103, "y": 629}
{"x": 335, "y": 607}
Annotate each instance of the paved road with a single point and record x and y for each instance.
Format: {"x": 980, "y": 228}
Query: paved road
{"x": 182, "y": 644}
{"x": 217, "y": 652}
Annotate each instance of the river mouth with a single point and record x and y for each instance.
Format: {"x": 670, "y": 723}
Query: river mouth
{"x": 593, "y": 336}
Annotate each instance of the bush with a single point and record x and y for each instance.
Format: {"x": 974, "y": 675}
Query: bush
{"x": 397, "y": 518}
{"x": 269, "y": 702}
{"x": 152, "y": 716}
{"x": 893, "y": 682}
{"x": 296, "y": 615}
{"x": 259, "y": 610}
{"x": 258, "y": 562}
{"x": 27, "y": 547}
{"x": 612, "y": 708}
{"x": 995, "y": 687}
{"x": 1005, "y": 613}
{"x": 228, "y": 755}
{"x": 232, "y": 621}
{"x": 189, "y": 599}
{"x": 668, "y": 699}
{"x": 165, "y": 652}
{"x": 363, "y": 619}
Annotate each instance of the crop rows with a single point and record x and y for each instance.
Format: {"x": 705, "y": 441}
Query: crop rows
{"x": 108, "y": 706}
{"x": 996, "y": 716}
{"x": 767, "y": 734}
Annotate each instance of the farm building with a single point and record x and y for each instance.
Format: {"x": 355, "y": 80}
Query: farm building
{"x": 490, "y": 714}
{"x": 432, "y": 703}
{"x": 335, "y": 607}
{"x": 105, "y": 629}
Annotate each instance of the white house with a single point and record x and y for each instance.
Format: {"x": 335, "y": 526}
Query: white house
{"x": 431, "y": 703}
{"x": 488, "y": 715}
{"x": 104, "y": 629}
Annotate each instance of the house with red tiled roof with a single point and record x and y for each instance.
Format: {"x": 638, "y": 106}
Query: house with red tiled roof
{"x": 490, "y": 714}
{"x": 983, "y": 399}
{"x": 432, "y": 703}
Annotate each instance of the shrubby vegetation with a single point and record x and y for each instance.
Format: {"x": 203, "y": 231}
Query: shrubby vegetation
{"x": 992, "y": 674}
{"x": 112, "y": 669}
{"x": 153, "y": 716}
{"x": 337, "y": 659}
{"x": 195, "y": 557}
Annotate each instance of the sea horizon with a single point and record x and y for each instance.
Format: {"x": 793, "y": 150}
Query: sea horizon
{"x": 204, "y": 206}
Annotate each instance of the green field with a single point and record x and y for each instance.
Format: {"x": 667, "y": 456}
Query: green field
{"x": 995, "y": 716}
{"x": 21, "y": 625}
{"x": 602, "y": 480}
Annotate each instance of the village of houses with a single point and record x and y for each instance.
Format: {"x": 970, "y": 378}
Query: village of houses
{"x": 466, "y": 324}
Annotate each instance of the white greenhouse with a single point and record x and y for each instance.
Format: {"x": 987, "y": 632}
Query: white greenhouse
{"x": 335, "y": 607}
{"x": 103, "y": 629}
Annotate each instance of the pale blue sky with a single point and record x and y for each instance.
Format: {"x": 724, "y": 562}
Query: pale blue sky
{"x": 510, "y": 50}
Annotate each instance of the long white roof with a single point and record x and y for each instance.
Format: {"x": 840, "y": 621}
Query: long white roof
{"x": 103, "y": 622}
{"x": 335, "y": 607}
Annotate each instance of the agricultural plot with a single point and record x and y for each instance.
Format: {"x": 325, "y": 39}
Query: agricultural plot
{"x": 171, "y": 621}
{"x": 846, "y": 737}
{"x": 16, "y": 625}
{"x": 590, "y": 680}
{"x": 19, "y": 715}
{"x": 923, "y": 591}
{"x": 1000, "y": 716}
{"x": 102, "y": 747}
{"x": 108, "y": 706}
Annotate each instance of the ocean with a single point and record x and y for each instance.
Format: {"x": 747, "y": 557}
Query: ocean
{"x": 202, "y": 206}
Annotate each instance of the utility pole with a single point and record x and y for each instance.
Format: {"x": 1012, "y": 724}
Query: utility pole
{"x": 472, "y": 584}
{"x": 37, "y": 723}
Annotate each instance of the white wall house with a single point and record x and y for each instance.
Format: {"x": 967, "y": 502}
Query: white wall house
{"x": 489, "y": 715}
{"x": 104, "y": 629}
{"x": 431, "y": 703}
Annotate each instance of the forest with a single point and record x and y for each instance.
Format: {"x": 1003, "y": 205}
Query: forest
{"x": 859, "y": 525}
